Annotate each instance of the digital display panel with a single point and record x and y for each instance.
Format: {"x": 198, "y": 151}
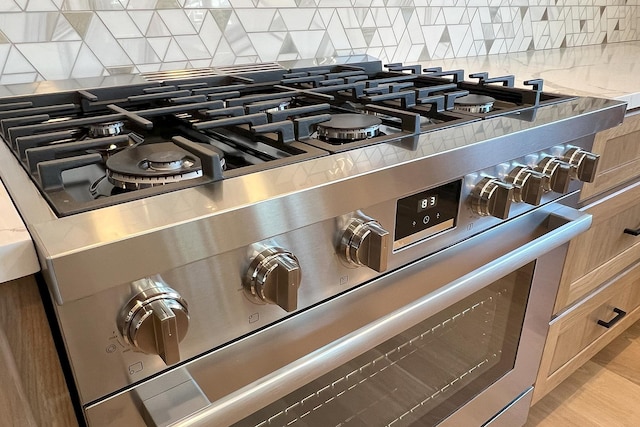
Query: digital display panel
{"x": 424, "y": 214}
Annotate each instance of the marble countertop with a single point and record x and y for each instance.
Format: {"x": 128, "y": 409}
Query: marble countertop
{"x": 17, "y": 254}
{"x": 604, "y": 71}
{"x": 607, "y": 71}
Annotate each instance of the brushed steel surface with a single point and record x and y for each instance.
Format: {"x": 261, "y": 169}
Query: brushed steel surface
{"x": 303, "y": 347}
{"x": 185, "y": 226}
{"x": 200, "y": 241}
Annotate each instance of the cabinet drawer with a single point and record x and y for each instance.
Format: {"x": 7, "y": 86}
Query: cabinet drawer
{"x": 619, "y": 149}
{"x": 605, "y": 249}
{"x": 575, "y": 336}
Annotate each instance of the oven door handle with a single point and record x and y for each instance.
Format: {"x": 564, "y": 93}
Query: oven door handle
{"x": 563, "y": 224}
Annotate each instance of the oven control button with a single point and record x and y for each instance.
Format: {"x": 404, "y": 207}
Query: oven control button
{"x": 528, "y": 185}
{"x": 492, "y": 197}
{"x": 365, "y": 242}
{"x": 274, "y": 277}
{"x": 155, "y": 321}
{"x": 558, "y": 172}
{"x": 584, "y": 164}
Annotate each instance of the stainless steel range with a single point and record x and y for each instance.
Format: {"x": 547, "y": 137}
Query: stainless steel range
{"x": 322, "y": 243}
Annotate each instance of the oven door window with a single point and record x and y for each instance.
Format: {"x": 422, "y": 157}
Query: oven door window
{"x": 422, "y": 375}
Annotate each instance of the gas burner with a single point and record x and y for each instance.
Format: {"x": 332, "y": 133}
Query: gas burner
{"x": 474, "y": 103}
{"x": 349, "y": 127}
{"x": 98, "y": 130}
{"x": 151, "y": 165}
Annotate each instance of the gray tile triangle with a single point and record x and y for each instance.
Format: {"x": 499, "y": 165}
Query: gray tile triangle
{"x": 288, "y": 47}
{"x": 407, "y": 13}
{"x": 79, "y": 21}
{"x": 277, "y": 24}
{"x": 424, "y": 55}
{"x": 326, "y": 48}
{"x": 167, "y": 4}
{"x": 488, "y": 44}
{"x": 523, "y": 11}
{"x": 445, "y": 38}
{"x": 3, "y": 38}
{"x": 368, "y": 34}
{"x": 222, "y": 17}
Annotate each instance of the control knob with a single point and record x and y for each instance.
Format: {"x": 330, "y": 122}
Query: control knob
{"x": 365, "y": 242}
{"x": 155, "y": 320}
{"x": 492, "y": 197}
{"x": 558, "y": 172}
{"x": 274, "y": 277}
{"x": 584, "y": 164}
{"x": 528, "y": 185}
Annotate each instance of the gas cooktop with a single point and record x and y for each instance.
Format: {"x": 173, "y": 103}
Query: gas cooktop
{"x": 89, "y": 148}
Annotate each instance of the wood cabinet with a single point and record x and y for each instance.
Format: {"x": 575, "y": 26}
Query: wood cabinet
{"x": 33, "y": 391}
{"x": 601, "y": 276}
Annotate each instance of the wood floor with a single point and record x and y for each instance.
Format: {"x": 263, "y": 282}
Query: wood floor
{"x": 603, "y": 392}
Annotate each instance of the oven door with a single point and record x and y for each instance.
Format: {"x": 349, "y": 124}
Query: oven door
{"x": 452, "y": 339}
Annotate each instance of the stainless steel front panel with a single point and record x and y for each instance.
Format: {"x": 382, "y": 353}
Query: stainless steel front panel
{"x": 254, "y": 371}
{"x": 185, "y": 226}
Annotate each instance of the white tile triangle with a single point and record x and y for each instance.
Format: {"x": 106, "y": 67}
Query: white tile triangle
{"x": 196, "y": 16}
{"x": 326, "y": 14}
{"x": 54, "y": 61}
{"x": 40, "y": 6}
{"x": 297, "y": 19}
{"x": 210, "y": 34}
{"x": 336, "y": 32}
{"x": 87, "y": 65}
{"x": 4, "y": 52}
{"x": 308, "y": 42}
{"x": 142, "y": 19}
{"x": 16, "y": 63}
{"x": 256, "y": 20}
{"x": 22, "y": 4}
{"x": 159, "y": 45}
{"x": 157, "y": 27}
{"x": 317, "y": 23}
{"x": 223, "y": 55}
{"x": 368, "y": 20}
{"x": 63, "y": 30}
{"x": 174, "y": 53}
{"x": 9, "y": 6}
{"x": 381, "y": 17}
{"x": 268, "y": 44}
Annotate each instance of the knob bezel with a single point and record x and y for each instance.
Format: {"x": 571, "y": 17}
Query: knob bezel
{"x": 155, "y": 321}
{"x": 584, "y": 164}
{"x": 364, "y": 242}
{"x": 558, "y": 172}
{"x": 492, "y": 197}
{"x": 257, "y": 282}
{"x": 529, "y": 185}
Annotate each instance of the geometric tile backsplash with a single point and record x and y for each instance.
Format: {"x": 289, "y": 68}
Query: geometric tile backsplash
{"x": 59, "y": 39}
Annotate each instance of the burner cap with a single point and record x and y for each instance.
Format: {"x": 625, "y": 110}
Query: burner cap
{"x": 150, "y": 165}
{"x": 473, "y": 103}
{"x": 349, "y": 127}
{"x": 97, "y": 130}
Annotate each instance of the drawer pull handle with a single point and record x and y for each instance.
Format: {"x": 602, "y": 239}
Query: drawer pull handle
{"x": 633, "y": 232}
{"x": 619, "y": 315}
